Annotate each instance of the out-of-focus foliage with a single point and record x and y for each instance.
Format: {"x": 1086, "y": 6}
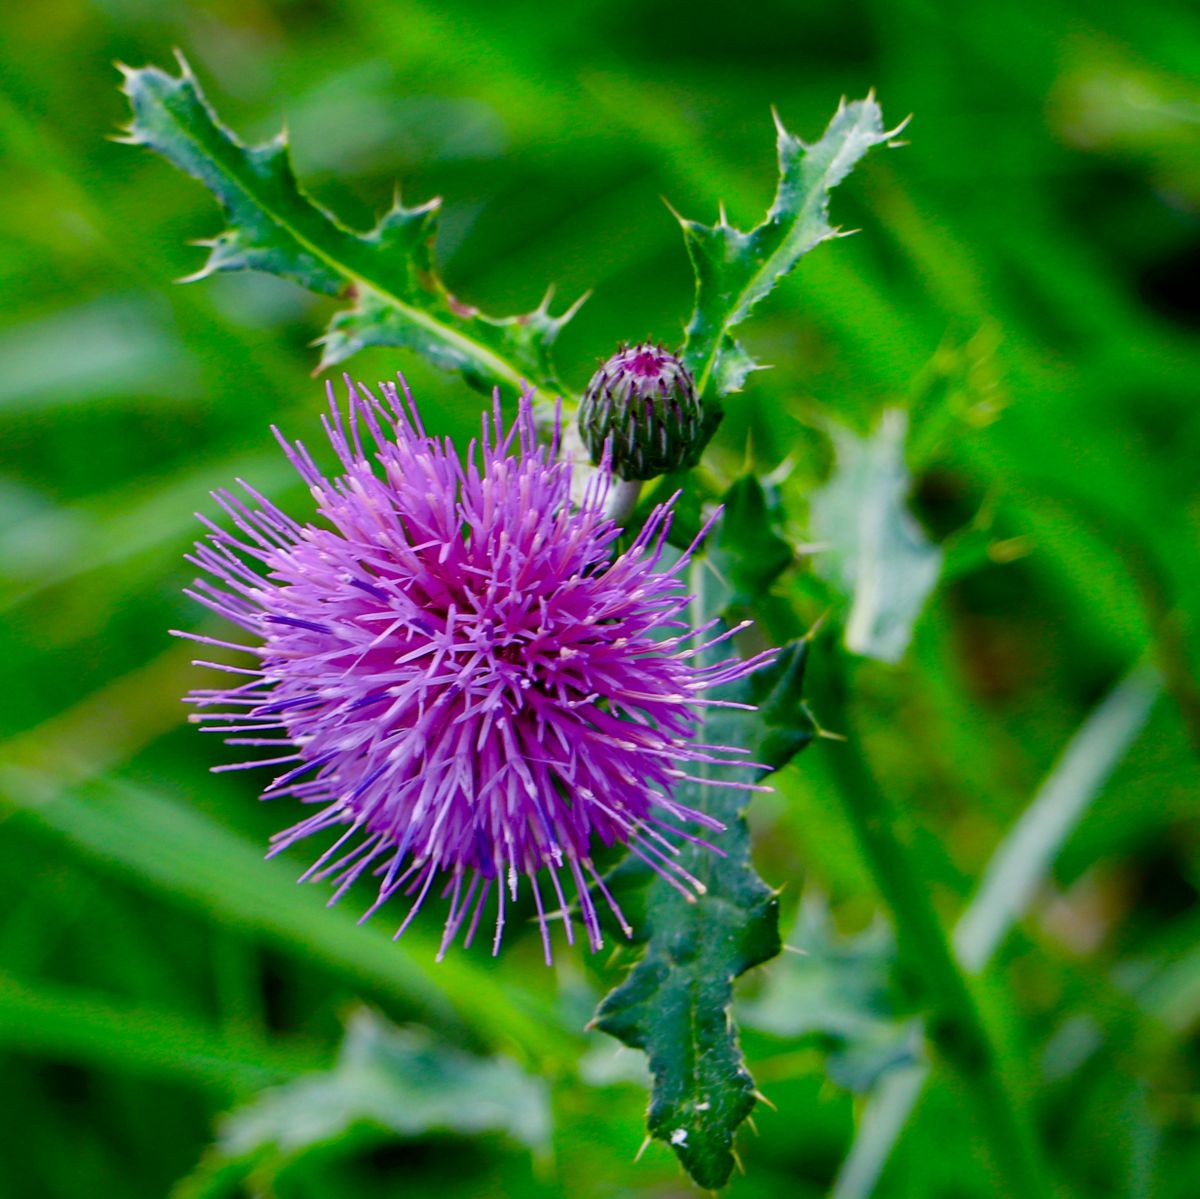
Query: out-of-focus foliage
{"x": 871, "y": 549}
{"x": 836, "y": 991}
{"x": 1023, "y": 286}
{"x": 386, "y": 1082}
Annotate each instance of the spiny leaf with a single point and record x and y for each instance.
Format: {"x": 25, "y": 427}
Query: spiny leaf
{"x": 386, "y": 1080}
{"x": 735, "y": 269}
{"x": 873, "y": 551}
{"x": 674, "y": 1005}
{"x": 675, "y": 1002}
{"x": 746, "y": 550}
{"x": 783, "y": 725}
{"x": 389, "y": 272}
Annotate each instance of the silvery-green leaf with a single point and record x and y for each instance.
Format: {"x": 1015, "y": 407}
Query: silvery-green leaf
{"x": 837, "y": 990}
{"x": 386, "y": 1082}
{"x": 872, "y": 550}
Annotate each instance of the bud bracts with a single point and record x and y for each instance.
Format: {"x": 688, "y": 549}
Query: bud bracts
{"x": 644, "y": 399}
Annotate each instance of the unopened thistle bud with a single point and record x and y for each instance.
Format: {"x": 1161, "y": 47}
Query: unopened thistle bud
{"x": 644, "y": 399}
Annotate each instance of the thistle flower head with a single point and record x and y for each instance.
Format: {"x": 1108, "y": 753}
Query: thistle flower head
{"x": 642, "y": 406}
{"x": 458, "y": 670}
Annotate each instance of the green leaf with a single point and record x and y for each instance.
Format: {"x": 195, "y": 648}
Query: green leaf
{"x": 872, "y": 550}
{"x": 402, "y": 1080}
{"x": 389, "y": 273}
{"x": 735, "y": 269}
{"x": 838, "y": 990}
{"x": 783, "y": 725}
{"x": 746, "y": 551}
{"x": 675, "y": 1002}
{"x": 386, "y": 1081}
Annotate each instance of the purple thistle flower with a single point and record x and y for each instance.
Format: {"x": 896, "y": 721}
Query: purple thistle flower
{"x": 458, "y": 672}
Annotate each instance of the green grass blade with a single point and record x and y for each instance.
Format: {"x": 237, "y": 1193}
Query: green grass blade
{"x": 883, "y": 1118}
{"x": 1024, "y": 858}
{"x": 73, "y": 1025}
{"x": 1016, "y": 869}
{"x": 181, "y": 853}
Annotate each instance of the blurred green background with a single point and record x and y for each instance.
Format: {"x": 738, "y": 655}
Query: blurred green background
{"x": 1026, "y": 278}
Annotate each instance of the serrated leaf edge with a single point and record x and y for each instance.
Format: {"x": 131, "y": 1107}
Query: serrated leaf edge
{"x": 754, "y": 291}
{"x": 356, "y": 281}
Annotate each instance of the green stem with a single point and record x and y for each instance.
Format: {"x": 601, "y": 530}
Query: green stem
{"x": 957, "y": 1024}
{"x": 622, "y": 499}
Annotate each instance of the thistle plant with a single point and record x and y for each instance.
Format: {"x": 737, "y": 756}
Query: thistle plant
{"x": 486, "y": 679}
{"x": 465, "y": 675}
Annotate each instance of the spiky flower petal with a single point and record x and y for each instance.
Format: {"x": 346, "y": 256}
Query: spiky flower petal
{"x": 458, "y": 670}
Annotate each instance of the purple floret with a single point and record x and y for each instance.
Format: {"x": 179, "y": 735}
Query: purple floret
{"x": 459, "y": 670}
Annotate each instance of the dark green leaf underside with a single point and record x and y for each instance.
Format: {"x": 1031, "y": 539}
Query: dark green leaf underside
{"x": 747, "y": 552}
